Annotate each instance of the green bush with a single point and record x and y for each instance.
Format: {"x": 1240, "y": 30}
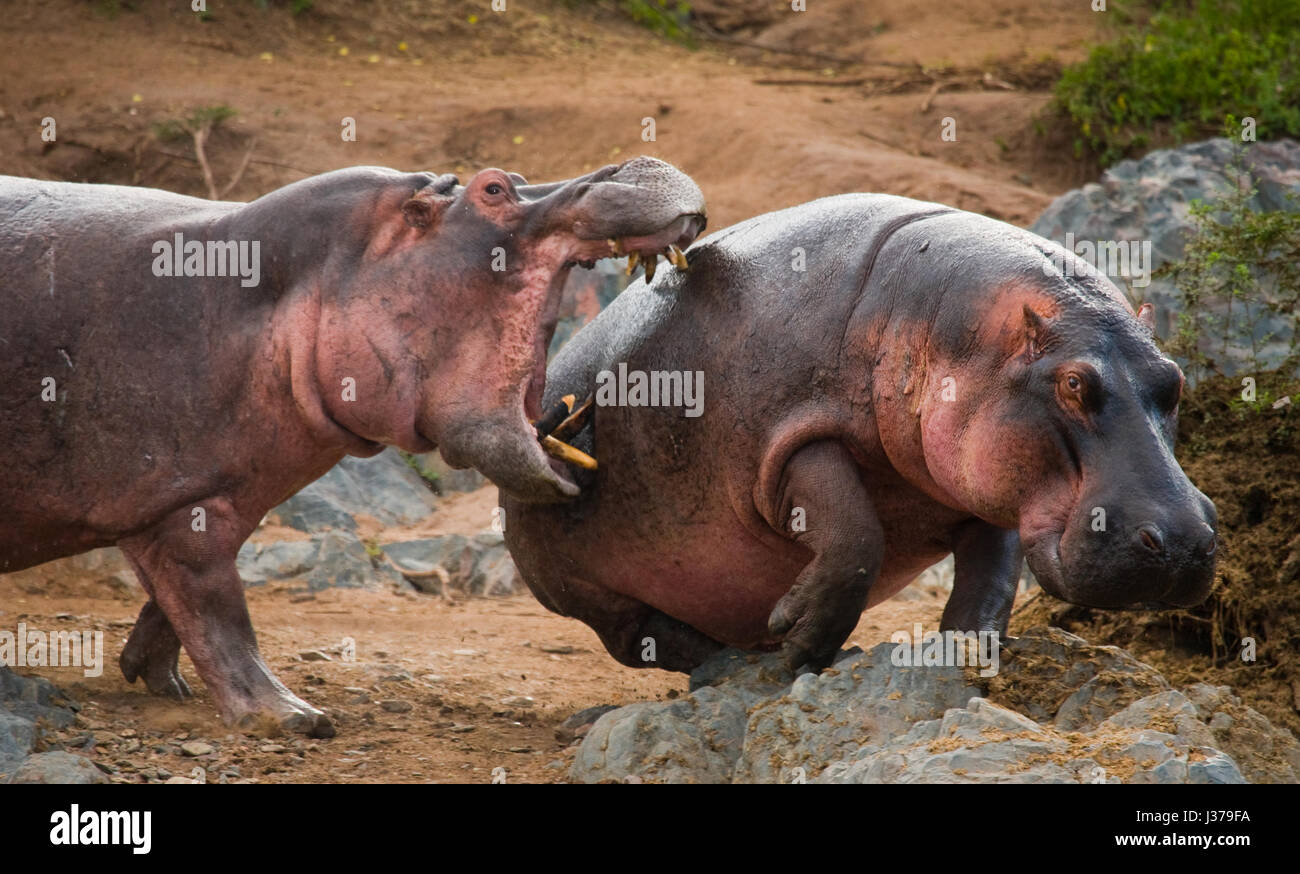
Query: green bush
{"x": 668, "y": 18}
{"x": 1239, "y": 267}
{"x": 1192, "y": 63}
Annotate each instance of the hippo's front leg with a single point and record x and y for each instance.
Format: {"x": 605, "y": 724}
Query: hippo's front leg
{"x": 188, "y": 561}
{"x": 987, "y": 571}
{"x": 840, "y": 526}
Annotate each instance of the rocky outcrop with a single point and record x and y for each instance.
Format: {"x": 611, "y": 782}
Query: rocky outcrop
{"x": 1149, "y": 200}
{"x": 28, "y": 704}
{"x": 1059, "y": 710}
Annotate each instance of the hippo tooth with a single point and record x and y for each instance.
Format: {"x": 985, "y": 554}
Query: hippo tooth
{"x": 632, "y": 261}
{"x": 651, "y": 261}
{"x": 574, "y": 423}
{"x": 615, "y": 246}
{"x": 678, "y": 257}
{"x": 565, "y": 452}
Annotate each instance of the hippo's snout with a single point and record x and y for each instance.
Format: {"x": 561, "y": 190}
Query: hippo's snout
{"x": 1150, "y": 558}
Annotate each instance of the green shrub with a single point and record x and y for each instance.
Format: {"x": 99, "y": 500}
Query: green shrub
{"x": 668, "y": 18}
{"x": 1191, "y": 63}
{"x": 1239, "y": 268}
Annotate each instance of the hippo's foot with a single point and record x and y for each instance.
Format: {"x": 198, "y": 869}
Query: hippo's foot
{"x": 287, "y": 714}
{"x": 152, "y": 652}
{"x": 198, "y": 602}
{"x": 813, "y": 625}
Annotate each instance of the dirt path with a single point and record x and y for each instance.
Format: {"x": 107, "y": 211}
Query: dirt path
{"x": 487, "y": 681}
{"x": 551, "y": 90}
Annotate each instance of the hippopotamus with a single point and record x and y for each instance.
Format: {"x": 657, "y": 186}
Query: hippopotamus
{"x": 176, "y": 367}
{"x": 888, "y": 382}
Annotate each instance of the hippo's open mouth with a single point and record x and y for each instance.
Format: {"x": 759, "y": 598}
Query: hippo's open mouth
{"x": 671, "y": 242}
{"x": 645, "y": 249}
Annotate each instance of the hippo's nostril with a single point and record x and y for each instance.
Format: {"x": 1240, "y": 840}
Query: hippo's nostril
{"x": 1151, "y": 539}
{"x": 1210, "y": 545}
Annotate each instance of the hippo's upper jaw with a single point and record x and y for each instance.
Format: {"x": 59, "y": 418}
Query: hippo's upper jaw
{"x": 494, "y": 252}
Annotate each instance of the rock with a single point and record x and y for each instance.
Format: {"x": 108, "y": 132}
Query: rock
{"x": 329, "y": 559}
{"x": 478, "y": 565}
{"x": 861, "y": 700}
{"x": 25, "y": 701}
{"x": 396, "y": 705}
{"x": 1264, "y": 753}
{"x": 1060, "y": 711}
{"x": 695, "y": 739}
{"x": 314, "y": 655}
{"x": 1048, "y": 673}
{"x": 196, "y": 748}
{"x": 580, "y": 723}
{"x": 57, "y": 767}
{"x": 1148, "y": 199}
{"x": 384, "y": 487}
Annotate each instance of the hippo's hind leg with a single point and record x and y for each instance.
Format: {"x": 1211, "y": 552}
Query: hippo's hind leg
{"x": 198, "y": 592}
{"x": 839, "y": 524}
{"x": 153, "y": 651}
{"x": 987, "y": 571}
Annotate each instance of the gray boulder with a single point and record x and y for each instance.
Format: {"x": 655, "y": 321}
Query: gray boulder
{"x": 1059, "y": 711}
{"x": 384, "y": 487}
{"x": 478, "y": 565}
{"x": 57, "y": 767}
{"x": 1149, "y": 199}
{"x": 329, "y": 559}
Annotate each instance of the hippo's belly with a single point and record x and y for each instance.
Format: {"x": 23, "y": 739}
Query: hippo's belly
{"x": 724, "y": 581}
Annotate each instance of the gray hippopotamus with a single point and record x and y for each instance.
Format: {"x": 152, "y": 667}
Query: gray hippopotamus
{"x": 175, "y": 367}
{"x": 888, "y": 381}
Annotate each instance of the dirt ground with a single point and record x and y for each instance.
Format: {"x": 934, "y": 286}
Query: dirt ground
{"x": 844, "y": 97}
{"x": 481, "y": 683}
{"x": 551, "y": 89}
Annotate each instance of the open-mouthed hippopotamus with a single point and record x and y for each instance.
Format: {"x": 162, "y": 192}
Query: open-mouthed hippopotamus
{"x": 888, "y": 381}
{"x": 174, "y": 367}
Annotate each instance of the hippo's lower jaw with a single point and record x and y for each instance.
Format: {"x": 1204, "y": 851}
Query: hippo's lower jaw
{"x": 670, "y": 242}
{"x": 510, "y": 455}
{"x": 1146, "y": 590}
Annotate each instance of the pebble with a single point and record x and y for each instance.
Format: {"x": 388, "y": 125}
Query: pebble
{"x": 197, "y": 748}
{"x": 396, "y": 705}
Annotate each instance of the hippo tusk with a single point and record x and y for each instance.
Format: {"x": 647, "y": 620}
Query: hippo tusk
{"x": 678, "y": 257}
{"x": 651, "y": 261}
{"x": 632, "y": 261}
{"x": 553, "y": 417}
{"x": 576, "y": 420}
{"x": 615, "y": 246}
{"x": 565, "y": 452}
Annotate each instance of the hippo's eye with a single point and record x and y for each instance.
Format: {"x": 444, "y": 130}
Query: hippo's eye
{"x": 1073, "y": 383}
{"x": 494, "y": 189}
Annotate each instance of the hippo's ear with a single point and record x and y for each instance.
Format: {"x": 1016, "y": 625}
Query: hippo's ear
{"x": 422, "y": 208}
{"x": 1147, "y": 316}
{"x": 1039, "y": 336}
